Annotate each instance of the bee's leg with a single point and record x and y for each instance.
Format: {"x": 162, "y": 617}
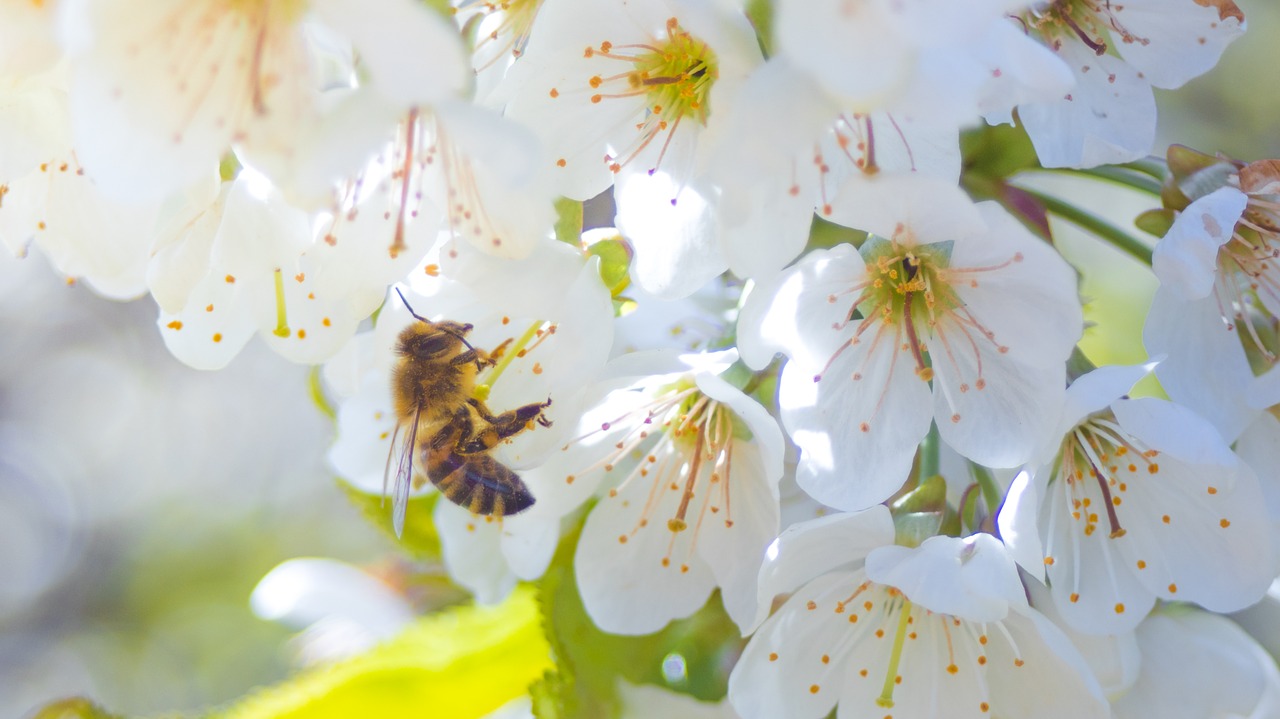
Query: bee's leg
{"x": 514, "y": 421}
{"x": 496, "y": 353}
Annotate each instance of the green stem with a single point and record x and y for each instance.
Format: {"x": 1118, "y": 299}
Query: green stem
{"x": 1121, "y": 176}
{"x": 1098, "y": 226}
{"x": 990, "y": 490}
{"x": 1152, "y": 166}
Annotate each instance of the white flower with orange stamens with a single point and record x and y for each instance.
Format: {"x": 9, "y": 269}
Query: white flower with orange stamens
{"x": 631, "y": 94}
{"x": 954, "y": 312}
{"x": 1118, "y": 52}
{"x": 162, "y": 90}
{"x": 939, "y": 630}
{"x": 1219, "y": 295}
{"x": 1137, "y": 500}
{"x": 688, "y": 469}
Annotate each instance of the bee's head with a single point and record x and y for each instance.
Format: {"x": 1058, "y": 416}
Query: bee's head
{"x": 429, "y": 340}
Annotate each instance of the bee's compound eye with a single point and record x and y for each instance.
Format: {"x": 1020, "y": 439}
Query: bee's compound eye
{"x": 433, "y": 344}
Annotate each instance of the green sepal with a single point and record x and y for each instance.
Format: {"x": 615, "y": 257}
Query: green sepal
{"x": 1156, "y": 222}
{"x": 315, "y": 387}
{"x": 912, "y": 528}
{"x": 568, "y": 226}
{"x": 760, "y": 14}
{"x": 928, "y": 496}
{"x": 996, "y": 152}
{"x": 419, "y": 538}
{"x": 615, "y": 255}
{"x": 824, "y": 234}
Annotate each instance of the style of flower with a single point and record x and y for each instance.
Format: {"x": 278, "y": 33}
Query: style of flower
{"x": 1110, "y": 115}
{"x": 939, "y": 630}
{"x": 1219, "y": 293}
{"x": 1139, "y": 499}
{"x": 954, "y": 312}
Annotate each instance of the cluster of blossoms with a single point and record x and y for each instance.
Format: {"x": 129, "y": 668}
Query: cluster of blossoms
{"x": 737, "y": 403}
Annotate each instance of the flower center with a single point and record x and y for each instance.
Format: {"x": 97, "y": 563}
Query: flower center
{"x": 673, "y": 75}
{"x": 1098, "y": 460}
{"x": 1093, "y": 22}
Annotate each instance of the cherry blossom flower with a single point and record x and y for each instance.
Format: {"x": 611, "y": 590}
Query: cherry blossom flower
{"x": 1218, "y": 285}
{"x": 1139, "y": 499}
{"x": 959, "y": 302}
{"x": 162, "y": 91}
{"x": 632, "y": 94}
{"x": 1110, "y": 115}
{"x": 942, "y": 629}
{"x": 688, "y": 467}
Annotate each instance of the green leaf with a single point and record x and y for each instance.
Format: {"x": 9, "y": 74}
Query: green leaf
{"x": 568, "y": 221}
{"x": 589, "y": 662}
{"x": 459, "y": 664}
{"x": 75, "y": 708}
{"x": 1156, "y": 222}
{"x": 420, "y": 537}
{"x": 824, "y": 234}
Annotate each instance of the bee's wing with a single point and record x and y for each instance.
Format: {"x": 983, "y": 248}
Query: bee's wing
{"x": 403, "y": 454}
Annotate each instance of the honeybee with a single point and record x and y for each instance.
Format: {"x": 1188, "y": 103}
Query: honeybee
{"x": 446, "y": 427}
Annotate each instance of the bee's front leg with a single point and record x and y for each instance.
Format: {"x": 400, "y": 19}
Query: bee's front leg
{"x": 514, "y": 421}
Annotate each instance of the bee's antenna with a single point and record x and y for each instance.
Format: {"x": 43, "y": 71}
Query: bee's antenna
{"x": 410, "y": 308}
{"x": 420, "y": 318}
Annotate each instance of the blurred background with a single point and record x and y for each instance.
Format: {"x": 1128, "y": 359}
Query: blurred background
{"x": 141, "y": 501}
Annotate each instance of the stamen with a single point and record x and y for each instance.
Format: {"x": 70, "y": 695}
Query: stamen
{"x": 517, "y": 350}
{"x": 895, "y": 657}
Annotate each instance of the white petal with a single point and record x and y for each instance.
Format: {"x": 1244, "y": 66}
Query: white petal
{"x": 1108, "y": 117}
{"x": 1194, "y": 665}
{"x": 412, "y": 54}
{"x": 917, "y": 209}
{"x": 212, "y": 327}
{"x": 1018, "y": 526}
{"x": 856, "y": 436}
{"x": 472, "y": 553}
{"x": 1186, "y": 259}
{"x": 1204, "y": 365}
{"x": 1177, "y": 41}
{"x": 775, "y": 675}
{"x": 1173, "y": 430}
{"x": 184, "y": 242}
{"x": 1053, "y": 681}
{"x": 634, "y": 577}
{"x": 674, "y": 230}
{"x": 806, "y": 550}
{"x": 1095, "y": 390}
{"x": 973, "y": 578}
{"x": 791, "y": 313}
